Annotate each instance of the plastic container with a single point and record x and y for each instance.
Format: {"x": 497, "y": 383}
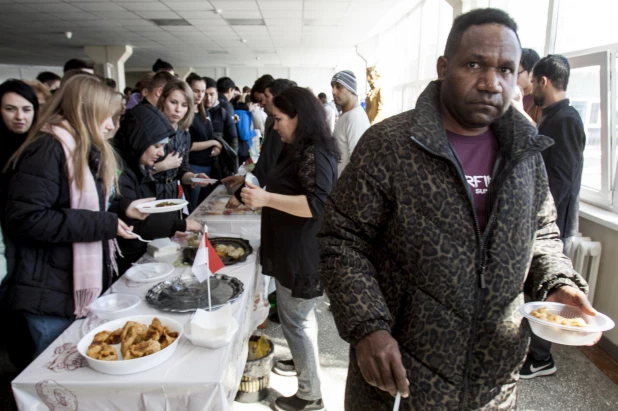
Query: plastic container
{"x": 113, "y": 306}
{"x": 120, "y": 366}
{"x": 564, "y": 334}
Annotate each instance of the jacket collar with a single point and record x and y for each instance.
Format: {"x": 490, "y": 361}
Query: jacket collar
{"x": 515, "y": 134}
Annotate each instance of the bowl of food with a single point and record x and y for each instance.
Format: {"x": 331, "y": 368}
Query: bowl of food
{"x": 113, "y": 306}
{"x": 565, "y": 324}
{"x": 131, "y": 344}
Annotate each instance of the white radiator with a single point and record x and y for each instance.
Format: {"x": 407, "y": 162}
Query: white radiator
{"x": 586, "y": 255}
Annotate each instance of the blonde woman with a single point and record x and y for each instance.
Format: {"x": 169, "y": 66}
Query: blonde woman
{"x": 60, "y": 233}
{"x": 176, "y": 104}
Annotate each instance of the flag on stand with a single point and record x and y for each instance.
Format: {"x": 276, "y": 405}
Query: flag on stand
{"x": 206, "y": 262}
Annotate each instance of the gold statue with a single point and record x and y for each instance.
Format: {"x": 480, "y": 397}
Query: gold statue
{"x": 374, "y": 103}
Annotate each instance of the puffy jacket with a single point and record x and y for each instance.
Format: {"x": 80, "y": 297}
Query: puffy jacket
{"x": 401, "y": 251}
{"x": 143, "y": 127}
{"x": 42, "y": 227}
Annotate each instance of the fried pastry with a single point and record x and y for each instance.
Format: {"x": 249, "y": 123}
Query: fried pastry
{"x": 102, "y": 351}
{"x": 143, "y": 349}
{"x": 155, "y": 331}
{"x": 132, "y": 333}
{"x": 101, "y": 337}
{"x": 115, "y": 337}
{"x": 543, "y": 314}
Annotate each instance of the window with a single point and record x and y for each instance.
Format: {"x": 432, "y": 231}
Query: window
{"x": 584, "y": 25}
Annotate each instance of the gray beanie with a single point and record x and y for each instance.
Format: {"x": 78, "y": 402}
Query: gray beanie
{"x": 347, "y": 79}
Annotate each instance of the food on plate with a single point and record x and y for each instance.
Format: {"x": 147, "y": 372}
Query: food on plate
{"x": 136, "y": 340}
{"x": 193, "y": 241}
{"x": 543, "y": 314}
{"x": 165, "y": 204}
{"x": 102, "y": 351}
{"x": 258, "y": 348}
{"x": 223, "y": 250}
{"x": 143, "y": 349}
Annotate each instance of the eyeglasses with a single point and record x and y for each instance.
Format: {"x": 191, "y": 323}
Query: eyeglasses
{"x": 519, "y": 73}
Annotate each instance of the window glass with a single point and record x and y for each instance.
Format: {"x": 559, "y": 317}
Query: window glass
{"x": 585, "y": 24}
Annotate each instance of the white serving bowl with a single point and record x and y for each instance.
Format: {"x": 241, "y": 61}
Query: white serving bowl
{"x": 113, "y": 306}
{"x": 564, "y": 334}
{"x": 120, "y": 366}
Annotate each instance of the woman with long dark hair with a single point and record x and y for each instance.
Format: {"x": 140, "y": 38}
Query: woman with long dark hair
{"x": 292, "y": 208}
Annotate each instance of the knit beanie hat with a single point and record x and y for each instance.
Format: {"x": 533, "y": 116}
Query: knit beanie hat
{"x": 347, "y": 79}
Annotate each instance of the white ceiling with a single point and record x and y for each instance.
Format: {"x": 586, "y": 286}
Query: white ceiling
{"x": 296, "y": 33}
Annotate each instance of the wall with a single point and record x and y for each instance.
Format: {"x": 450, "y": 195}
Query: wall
{"x": 25, "y": 72}
{"x": 607, "y": 282}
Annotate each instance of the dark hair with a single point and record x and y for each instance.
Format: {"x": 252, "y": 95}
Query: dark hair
{"x": 48, "y": 77}
{"x": 556, "y": 68}
{"x": 528, "y": 59}
{"x": 111, "y": 83}
{"x": 236, "y": 89}
{"x": 276, "y": 87}
{"x": 235, "y": 100}
{"x": 246, "y": 89}
{"x": 477, "y": 17}
{"x": 311, "y": 129}
{"x": 193, "y": 77}
{"x": 129, "y": 89}
{"x": 260, "y": 84}
{"x": 210, "y": 83}
{"x": 322, "y": 95}
{"x": 76, "y": 72}
{"x": 78, "y": 64}
{"x": 160, "y": 79}
{"x": 19, "y": 87}
{"x": 224, "y": 84}
{"x": 162, "y": 65}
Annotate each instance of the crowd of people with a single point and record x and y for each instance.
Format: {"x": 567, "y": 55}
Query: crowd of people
{"x": 423, "y": 232}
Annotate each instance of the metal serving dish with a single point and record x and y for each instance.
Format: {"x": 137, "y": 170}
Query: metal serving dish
{"x": 185, "y": 293}
{"x": 189, "y": 252}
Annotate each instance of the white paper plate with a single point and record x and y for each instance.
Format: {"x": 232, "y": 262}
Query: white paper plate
{"x": 204, "y": 180}
{"x": 149, "y": 272}
{"x": 252, "y": 179}
{"x": 112, "y": 306}
{"x": 222, "y": 199}
{"x": 151, "y": 206}
{"x": 121, "y": 367}
{"x": 564, "y": 334}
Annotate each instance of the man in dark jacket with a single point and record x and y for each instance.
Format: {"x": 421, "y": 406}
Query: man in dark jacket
{"x": 140, "y": 130}
{"x": 564, "y": 163}
{"x": 423, "y": 259}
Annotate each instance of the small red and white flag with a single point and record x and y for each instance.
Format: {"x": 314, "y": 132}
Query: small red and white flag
{"x": 206, "y": 262}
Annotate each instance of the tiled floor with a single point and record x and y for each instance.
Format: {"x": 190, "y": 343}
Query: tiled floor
{"x": 578, "y": 385}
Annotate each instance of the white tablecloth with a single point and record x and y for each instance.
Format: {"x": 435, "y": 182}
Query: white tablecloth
{"x": 236, "y": 225}
{"x": 193, "y": 379}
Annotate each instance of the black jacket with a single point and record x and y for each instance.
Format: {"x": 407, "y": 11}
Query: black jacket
{"x": 142, "y": 128}
{"x": 42, "y": 227}
{"x": 564, "y": 161}
{"x": 223, "y": 124}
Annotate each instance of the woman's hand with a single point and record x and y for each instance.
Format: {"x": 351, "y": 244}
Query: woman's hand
{"x": 134, "y": 213}
{"x": 124, "y": 230}
{"x": 232, "y": 181}
{"x": 233, "y": 202}
{"x": 216, "y": 148}
{"x": 200, "y": 175}
{"x": 253, "y": 196}
{"x": 171, "y": 161}
{"x": 193, "y": 225}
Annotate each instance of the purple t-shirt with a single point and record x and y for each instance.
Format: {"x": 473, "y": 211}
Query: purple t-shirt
{"x": 477, "y": 155}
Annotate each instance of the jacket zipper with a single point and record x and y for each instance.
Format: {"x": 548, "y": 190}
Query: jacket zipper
{"x": 482, "y": 241}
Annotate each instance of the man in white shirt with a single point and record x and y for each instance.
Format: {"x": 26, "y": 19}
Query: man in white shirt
{"x": 353, "y": 121}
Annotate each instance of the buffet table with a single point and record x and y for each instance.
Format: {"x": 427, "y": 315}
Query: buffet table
{"x": 194, "y": 378}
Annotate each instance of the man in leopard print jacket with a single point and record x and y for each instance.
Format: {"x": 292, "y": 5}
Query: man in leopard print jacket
{"x": 425, "y": 280}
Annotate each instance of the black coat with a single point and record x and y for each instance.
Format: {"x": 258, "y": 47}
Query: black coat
{"x": 42, "y": 228}
{"x": 564, "y": 161}
{"x": 143, "y": 127}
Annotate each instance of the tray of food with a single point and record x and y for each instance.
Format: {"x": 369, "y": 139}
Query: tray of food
{"x": 565, "y": 324}
{"x": 186, "y": 294}
{"x": 162, "y": 206}
{"x": 231, "y": 250}
{"x": 131, "y": 344}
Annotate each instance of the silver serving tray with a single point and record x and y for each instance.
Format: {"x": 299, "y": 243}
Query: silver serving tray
{"x": 186, "y": 294}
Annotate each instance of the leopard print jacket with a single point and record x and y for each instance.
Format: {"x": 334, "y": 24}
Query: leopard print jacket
{"x": 401, "y": 251}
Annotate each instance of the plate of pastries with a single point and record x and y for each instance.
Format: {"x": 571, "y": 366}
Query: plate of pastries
{"x": 131, "y": 344}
